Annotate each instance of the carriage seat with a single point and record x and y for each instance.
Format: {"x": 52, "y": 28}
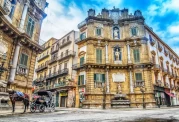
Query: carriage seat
{"x": 19, "y": 94}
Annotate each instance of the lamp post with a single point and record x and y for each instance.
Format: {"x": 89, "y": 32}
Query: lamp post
{"x": 2, "y": 69}
{"x": 142, "y": 90}
{"x": 104, "y": 96}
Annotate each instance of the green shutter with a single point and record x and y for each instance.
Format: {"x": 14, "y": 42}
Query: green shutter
{"x": 99, "y": 55}
{"x": 103, "y": 78}
{"x": 136, "y": 55}
{"x": 100, "y": 31}
{"x": 81, "y": 61}
{"x": 22, "y": 59}
{"x": 78, "y": 80}
{"x": 95, "y": 77}
{"x": 82, "y": 79}
{"x": 25, "y": 60}
{"x": 138, "y": 76}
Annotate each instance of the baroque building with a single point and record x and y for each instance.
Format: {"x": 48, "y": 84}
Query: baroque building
{"x": 118, "y": 54}
{"x": 57, "y": 75}
{"x": 20, "y": 25}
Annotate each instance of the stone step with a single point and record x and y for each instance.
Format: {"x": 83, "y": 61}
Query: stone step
{"x": 121, "y": 106}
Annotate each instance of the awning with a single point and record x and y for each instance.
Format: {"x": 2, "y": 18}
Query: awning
{"x": 170, "y": 94}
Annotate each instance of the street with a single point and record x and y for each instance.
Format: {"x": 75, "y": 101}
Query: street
{"x": 96, "y": 115}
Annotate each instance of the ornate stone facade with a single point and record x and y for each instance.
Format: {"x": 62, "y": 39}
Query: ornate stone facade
{"x": 19, "y": 32}
{"x": 115, "y": 48}
{"x": 57, "y": 76}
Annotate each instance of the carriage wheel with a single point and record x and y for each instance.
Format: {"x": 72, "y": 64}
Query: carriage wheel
{"x": 52, "y": 107}
{"x": 32, "y": 108}
{"x": 42, "y": 108}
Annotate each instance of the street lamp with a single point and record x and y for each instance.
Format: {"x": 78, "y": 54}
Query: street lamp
{"x": 3, "y": 59}
{"x": 142, "y": 90}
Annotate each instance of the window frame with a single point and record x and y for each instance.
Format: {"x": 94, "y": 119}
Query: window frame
{"x": 134, "y": 54}
{"x": 24, "y": 62}
{"x": 31, "y": 31}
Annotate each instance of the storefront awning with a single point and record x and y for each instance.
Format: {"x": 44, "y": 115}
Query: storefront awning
{"x": 171, "y": 95}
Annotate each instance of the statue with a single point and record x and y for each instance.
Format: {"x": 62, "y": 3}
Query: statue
{"x": 116, "y": 33}
{"x": 119, "y": 89}
{"x": 7, "y": 6}
{"x": 117, "y": 54}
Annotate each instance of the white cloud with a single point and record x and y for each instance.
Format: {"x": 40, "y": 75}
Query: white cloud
{"x": 174, "y": 29}
{"x": 60, "y": 20}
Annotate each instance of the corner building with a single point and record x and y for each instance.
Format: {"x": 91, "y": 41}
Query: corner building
{"x": 119, "y": 53}
{"x": 20, "y": 25}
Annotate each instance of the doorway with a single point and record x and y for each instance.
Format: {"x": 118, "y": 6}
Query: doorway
{"x": 62, "y": 103}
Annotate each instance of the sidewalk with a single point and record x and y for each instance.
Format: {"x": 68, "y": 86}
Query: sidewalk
{"x": 4, "y": 113}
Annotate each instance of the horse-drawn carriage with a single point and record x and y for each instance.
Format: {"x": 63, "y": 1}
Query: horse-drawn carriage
{"x": 42, "y": 100}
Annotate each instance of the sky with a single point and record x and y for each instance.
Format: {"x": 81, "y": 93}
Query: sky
{"x": 64, "y": 16}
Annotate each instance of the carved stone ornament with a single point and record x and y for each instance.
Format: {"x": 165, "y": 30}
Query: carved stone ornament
{"x": 7, "y": 6}
{"x": 3, "y": 45}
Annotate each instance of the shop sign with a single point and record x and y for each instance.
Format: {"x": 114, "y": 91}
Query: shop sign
{"x": 63, "y": 94}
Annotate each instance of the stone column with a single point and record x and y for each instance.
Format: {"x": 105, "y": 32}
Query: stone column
{"x": 107, "y": 59}
{"x": 23, "y": 17}
{"x": 131, "y": 82}
{"x": 107, "y": 81}
{"x": 14, "y": 62}
{"x": 128, "y": 54}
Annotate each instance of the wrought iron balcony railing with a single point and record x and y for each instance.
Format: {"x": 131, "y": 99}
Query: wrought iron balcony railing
{"x": 58, "y": 73}
{"x": 42, "y": 67}
{"x": 66, "y": 55}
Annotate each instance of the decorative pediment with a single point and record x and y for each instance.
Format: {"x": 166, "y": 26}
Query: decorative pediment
{"x": 166, "y": 52}
{"x": 160, "y": 47}
{"x": 135, "y": 43}
{"x": 82, "y": 53}
{"x": 153, "y": 52}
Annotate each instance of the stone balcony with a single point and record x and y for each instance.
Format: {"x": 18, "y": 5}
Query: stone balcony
{"x": 22, "y": 70}
{"x": 66, "y": 55}
{"x": 159, "y": 83}
{"x": 139, "y": 83}
{"x": 156, "y": 67}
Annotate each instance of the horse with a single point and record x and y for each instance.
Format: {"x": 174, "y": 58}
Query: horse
{"x": 14, "y": 97}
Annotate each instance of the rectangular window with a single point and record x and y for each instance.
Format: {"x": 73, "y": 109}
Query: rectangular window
{"x": 30, "y": 26}
{"x": 61, "y": 54}
{"x": 81, "y": 80}
{"x": 23, "y": 59}
{"x": 136, "y": 55}
{"x": 59, "y": 67}
{"x": 98, "y": 31}
{"x": 65, "y": 65}
{"x": 134, "y": 31}
{"x": 99, "y": 80}
{"x": 66, "y": 52}
{"x": 98, "y": 56}
{"x": 82, "y": 61}
{"x": 138, "y": 76}
{"x": 54, "y": 69}
{"x": 82, "y": 36}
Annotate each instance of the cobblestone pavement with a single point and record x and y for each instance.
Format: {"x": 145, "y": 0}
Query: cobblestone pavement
{"x": 94, "y": 115}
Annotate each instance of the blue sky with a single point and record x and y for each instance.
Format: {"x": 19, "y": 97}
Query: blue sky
{"x": 162, "y": 15}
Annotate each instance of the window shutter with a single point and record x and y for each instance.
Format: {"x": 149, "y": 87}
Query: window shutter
{"x": 100, "y": 56}
{"x": 25, "y": 60}
{"x": 103, "y": 78}
{"x": 100, "y": 31}
{"x": 95, "y": 77}
{"x": 82, "y": 79}
{"x": 22, "y": 59}
{"x": 78, "y": 80}
{"x": 97, "y": 55}
{"x": 81, "y": 60}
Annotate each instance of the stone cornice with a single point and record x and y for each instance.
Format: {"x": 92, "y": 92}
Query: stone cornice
{"x": 13, "y": 32}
